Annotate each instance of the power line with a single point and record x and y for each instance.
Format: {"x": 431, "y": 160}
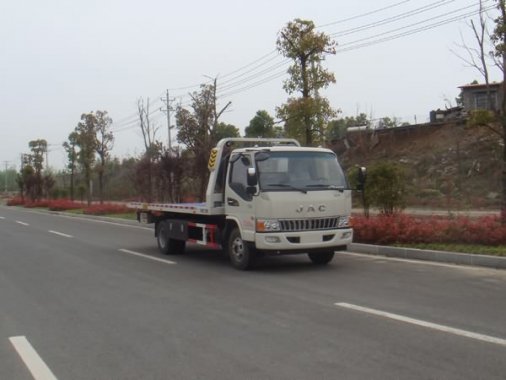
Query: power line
{"x": 255, "y": 74}
{"x": 363, "y": 14}
{"x": 391, "y": 19}
{"x": 354, "y": 45}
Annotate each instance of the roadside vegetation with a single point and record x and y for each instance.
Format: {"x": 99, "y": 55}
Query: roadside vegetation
{"x": 107, "y": 209}
{"x": 485, "y": 235}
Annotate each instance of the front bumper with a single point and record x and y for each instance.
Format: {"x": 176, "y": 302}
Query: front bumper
{"x": 303, "y": 241}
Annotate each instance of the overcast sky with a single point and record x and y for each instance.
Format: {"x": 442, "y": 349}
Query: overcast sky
{"x": 60, "y": 59}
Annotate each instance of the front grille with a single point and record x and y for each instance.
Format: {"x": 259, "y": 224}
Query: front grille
{"x": 289, "y": 225}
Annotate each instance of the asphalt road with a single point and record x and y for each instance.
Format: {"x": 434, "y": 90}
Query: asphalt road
{"x": 77, "y": 301}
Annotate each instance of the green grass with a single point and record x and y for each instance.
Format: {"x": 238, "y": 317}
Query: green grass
{"x": 78, "y": 211}
{"x": 462, "y": 248}
{"x": 128, "y": 216}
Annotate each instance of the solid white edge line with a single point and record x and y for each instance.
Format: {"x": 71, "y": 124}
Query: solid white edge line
{"x": 420, "y": 262}
{"x": 22, "y": 223}
{"x": 34, "y": 363}
{"x": 60, "y": 234}
{"x": 418, "y": 322}
{"x": 146, "y": 256}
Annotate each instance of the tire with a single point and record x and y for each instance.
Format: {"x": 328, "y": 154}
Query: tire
{"x": 321, "y": 258}
{"x": 176, "y": 247}
{"x": 162, "y": 237}
{"x": 242, "y": 255}
{"x": 166, "y": 245}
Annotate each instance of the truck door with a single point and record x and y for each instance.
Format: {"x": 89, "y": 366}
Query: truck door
{"x": 238, "y": 203}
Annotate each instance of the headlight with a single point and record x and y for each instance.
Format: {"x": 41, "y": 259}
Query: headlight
{"x": 344, "y": 221}
{"x": 267, "y": 225}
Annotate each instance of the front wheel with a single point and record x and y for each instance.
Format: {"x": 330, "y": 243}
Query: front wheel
{"x": 242, "y": 255}
{"x": 321, "y": 258}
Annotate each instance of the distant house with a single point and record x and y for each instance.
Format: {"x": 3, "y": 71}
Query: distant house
{"x": 447, "y": 114}
{"x": 476, "y": 96}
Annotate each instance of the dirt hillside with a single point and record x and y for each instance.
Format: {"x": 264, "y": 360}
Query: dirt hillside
{"x": 448, "y": 165}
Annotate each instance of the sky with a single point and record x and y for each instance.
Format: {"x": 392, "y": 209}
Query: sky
{"x": 59, "y": 59}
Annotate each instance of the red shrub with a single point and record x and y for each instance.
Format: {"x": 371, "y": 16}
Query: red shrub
{"x": 35, "y": 204}
{"x": 16, "y": 201}
{"x": 106, "y": 208}
{"x": 406, "y": 229}
{"x": 64, "y": 204}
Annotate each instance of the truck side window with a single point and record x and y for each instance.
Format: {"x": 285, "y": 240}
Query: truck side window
{"x": 238, "y": 180}
{"x": 220, "y": 177}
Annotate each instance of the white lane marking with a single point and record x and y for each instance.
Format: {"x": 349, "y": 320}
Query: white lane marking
{"x": 22, "y": 223}
{"x": 2, "y": 217}
{"x": 418, "y": 322}
{"x": 55, "y": 213}
{"x": 39, "y": 369}
{"x": 146, "y": 256}
{"x": 60, "y": 234}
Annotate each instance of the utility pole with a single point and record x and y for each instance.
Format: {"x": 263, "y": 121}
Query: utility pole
{"x": 167, "y": 100}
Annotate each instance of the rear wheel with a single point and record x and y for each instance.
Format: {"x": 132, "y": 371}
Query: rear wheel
{"x": 166, "y": 245}
{"x": 242, "y": 255}
{"x": 321, "y": 258}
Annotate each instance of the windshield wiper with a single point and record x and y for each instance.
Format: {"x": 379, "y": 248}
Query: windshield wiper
{"x": 289, "y": 186}
{"x": 331, "y": 187}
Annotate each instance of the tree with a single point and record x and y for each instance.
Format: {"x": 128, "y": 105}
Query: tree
{"x": 27, "y": 182}
{"x": 48, "y": 183}
{"x": 38, "y": 148}
{"x": 307, "y": 48}
{"x": 479, "y": 60}
{"x": 103, "y": 146}
{"x": 72, "y": 155}
{"x": 86, "y": 140}
{"x": 499, "y": 40}
{"x": 224, "y": 130}
{"x": 153, "y": 150}
{"x": 479, "y": 57}
{"x": 387, "y": 122}
{"x": 147, "y": 127}
{"x": 262, "y": 125}
{"x": 336, "y": 129}
{"x": 199, "y": 130}
{"x": 386, "y": 187}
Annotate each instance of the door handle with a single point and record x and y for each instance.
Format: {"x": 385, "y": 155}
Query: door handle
{"x": 232, "y": 202}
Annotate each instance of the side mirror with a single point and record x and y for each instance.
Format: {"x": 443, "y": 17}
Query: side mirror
{"x": 251, "y": 190}
{"x": 252, "y": 177}
{"x": 361, "y": 178}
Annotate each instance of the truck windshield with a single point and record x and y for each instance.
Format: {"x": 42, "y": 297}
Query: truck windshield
{"x": 300, "y": 171}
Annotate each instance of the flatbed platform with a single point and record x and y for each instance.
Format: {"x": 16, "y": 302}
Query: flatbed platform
{"x": 182, "y": 208}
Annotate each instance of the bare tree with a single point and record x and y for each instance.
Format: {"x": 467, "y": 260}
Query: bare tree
{"x": 481, "y": 56}
{"x": 198, "y": 129}
{"x": 480, "y": 60}
{"x": 152, "y": 147}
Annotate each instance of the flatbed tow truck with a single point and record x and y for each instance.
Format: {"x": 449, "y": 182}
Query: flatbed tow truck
{"x": 264, "y": 197}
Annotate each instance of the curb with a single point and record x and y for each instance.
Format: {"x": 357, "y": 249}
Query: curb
{"x": 497, "y": 262}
